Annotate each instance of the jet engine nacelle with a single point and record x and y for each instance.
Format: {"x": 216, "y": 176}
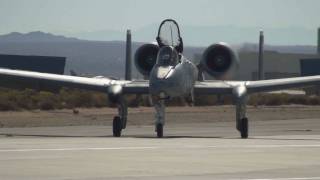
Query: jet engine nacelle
{"x": 145, "y": 58}
{"x": 220, "y": 61}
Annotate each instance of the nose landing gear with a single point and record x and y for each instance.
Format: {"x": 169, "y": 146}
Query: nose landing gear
{"x": 159, "y": 116}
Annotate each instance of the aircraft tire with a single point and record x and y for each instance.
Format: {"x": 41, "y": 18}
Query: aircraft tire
{"x": 117, "y": 126}
{"x": 159, "y": 130}
{"x": 244, "y": 128}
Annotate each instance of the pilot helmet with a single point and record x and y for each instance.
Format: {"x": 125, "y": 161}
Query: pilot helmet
{"x": 167, "y": 56}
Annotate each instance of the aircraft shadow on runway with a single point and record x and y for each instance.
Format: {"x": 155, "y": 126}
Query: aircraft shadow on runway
{"x": 110, "y": 136}
{"x": 153, "y": 137}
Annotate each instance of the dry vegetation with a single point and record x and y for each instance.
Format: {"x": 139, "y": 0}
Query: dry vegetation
{"x": 66, "y": 99}
{"x": 15, "y": 100}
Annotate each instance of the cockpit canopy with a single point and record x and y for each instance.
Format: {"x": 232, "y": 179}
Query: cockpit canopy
{"x": 169, "y": 35}
{"x": 167, "y": 56}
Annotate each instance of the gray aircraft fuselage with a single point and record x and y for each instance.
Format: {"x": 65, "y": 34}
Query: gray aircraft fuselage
{"x": 174, "y": 78}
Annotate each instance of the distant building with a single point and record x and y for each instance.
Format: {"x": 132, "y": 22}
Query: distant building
{"x": 44, "y": 64}
{"x": 310, "y": 67}
{"x": 274, "y": 75}
{"x": 319, "y": 41}
{"x": 276, "y": 65}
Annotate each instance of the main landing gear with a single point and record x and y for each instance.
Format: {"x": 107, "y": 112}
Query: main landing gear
{"x": 244, "y": 128}
{"x": 240, "y": 94}
{"x": 242, "y": 120}
{"x": 159, "y": 129}
{"x": 120, "y": 121}
{"x": 117, "y": 126}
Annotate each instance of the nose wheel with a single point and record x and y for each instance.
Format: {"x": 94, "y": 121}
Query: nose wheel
{"x": 160, "y": 115}
{"x": 117, "y": 126}
{"x": 159, "y": 129}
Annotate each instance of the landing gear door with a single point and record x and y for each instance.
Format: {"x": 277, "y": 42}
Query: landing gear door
{"x": 169, "y": 35}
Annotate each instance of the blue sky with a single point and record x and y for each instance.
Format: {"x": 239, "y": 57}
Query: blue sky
{"x": 75, "y": 16}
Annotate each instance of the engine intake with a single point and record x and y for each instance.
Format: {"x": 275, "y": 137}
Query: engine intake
{"x": 145, "y": 58}
{"x": 219, "y": 60}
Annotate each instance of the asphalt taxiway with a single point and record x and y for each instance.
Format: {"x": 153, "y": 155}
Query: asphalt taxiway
{"x": 277, "y": 150}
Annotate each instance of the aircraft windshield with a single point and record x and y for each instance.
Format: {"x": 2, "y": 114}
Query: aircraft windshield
{"x": 169, "y": 35}
{"x": 167, "y": 56}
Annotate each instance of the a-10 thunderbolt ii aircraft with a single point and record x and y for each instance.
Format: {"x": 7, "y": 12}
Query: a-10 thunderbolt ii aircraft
{"x": 172, "y": 75}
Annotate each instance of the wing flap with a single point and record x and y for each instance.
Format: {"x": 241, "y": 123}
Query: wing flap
{"x": 136, "y": 87}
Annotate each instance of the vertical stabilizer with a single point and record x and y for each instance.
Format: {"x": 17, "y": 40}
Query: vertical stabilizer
{"x": 261, "y": 53}
{"x": 128, "y": 75}
{"x": 319, "y": 41}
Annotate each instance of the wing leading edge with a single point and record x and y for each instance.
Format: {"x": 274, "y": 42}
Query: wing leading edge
{"x": 280, "y": 84}
{"x": 96, "y": 84}
{"x": 227, "y": 87}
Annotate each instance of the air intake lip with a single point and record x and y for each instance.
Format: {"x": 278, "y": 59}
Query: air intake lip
{"x": 145, "y": 58}
{"x": 220, "y": 61}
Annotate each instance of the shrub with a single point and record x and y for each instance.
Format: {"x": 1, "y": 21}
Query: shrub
{"x": 73, "y": 98}
{"x": 6, "y": 104}
{"x": 47, "y": 101}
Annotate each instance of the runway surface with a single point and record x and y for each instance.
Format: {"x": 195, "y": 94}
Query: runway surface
{"x": 277, "y": 150}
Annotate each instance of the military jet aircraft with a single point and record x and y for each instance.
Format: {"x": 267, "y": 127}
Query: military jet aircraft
{"x": 171, "y": 75}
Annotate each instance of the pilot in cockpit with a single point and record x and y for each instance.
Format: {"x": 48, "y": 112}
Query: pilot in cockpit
{"x": 168, "y": 56}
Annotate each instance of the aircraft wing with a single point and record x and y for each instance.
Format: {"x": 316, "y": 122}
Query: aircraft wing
{"x": 280, "y": 84}
{"x": 227, "y": 87}
{"x": 215, "y": 87}
{"x": 96, "y": 84}
{"x": 142, "y": 87}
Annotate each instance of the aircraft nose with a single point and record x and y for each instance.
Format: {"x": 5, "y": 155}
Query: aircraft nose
{"x": 163, "y": 81}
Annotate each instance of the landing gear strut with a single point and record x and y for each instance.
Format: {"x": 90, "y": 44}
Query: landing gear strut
{"x": 190, "y": 99}
{"x": 244, "y": 128}
{"x": 120, "y": 121}
{"x": 159, "y": 129}
{"x": 117, "y": 126}
{"x": 159, "y": 116}
{"x": 240, "y": 93}
{"x": 242, "y": 120}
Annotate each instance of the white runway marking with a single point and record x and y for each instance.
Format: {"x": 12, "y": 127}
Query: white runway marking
{"x": 163, "y": 147}
{"x": 78, "y": 149}
{"x": 302, "y": 178}
{"x": 269, "y": 146}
